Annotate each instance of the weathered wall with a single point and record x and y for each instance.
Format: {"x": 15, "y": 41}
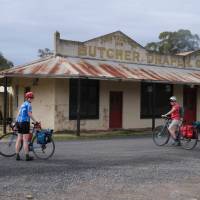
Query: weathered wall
{"x": 178, "y": 92}
{"x": 131, "y": 103}
{"x": 62, "y": 121}
{"x": 119, "y": 47}
{"x": 61, "y": 105}
{"x": 131, "y": 107}
{"x": 43, "y": 104}
{"x": 51, "y": 104}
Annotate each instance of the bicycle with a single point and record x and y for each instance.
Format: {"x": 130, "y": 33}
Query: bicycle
{"x": 161, "y": 136}
{"x": 42, "y": 150}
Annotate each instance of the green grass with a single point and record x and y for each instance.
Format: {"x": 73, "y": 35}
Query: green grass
{"x": 98, "y": 135}
{"x": 65, "y": 136}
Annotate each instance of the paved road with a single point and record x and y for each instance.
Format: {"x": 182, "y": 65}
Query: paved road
{"x": 114, "y": 169}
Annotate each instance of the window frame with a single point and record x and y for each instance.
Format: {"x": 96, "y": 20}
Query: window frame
{"x": 86, "y": 83}
{"x": 157, "y": 115}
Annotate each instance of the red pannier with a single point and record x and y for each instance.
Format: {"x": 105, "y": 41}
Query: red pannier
{"x": 187, "y": 131}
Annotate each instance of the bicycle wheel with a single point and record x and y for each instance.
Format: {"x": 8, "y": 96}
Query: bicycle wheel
{"x": 188, "y": 143}
{"x": 7, "y": 144}
{"x": 161, "y": 135}
{"x": 43, "y": 151}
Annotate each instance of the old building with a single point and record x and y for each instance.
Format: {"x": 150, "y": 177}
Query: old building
{"x": 118, "y": 78}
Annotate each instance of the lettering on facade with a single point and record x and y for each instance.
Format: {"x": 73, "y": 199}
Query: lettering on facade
{"x": 131, "y": 56}
{"x": 118, "y": 40}
{"x": 108, "y": 53}
{"x": 119, "y": 47}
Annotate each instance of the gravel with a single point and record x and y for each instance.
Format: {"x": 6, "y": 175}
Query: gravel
{"x": 132, "y": 168}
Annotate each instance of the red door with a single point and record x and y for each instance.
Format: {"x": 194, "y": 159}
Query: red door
{"x": 115, "y": 110}
{"x": 190, "y": 104}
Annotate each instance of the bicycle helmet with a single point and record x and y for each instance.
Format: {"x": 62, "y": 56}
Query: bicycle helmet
{"x": 173, "y": 98}
{"x": 29, "y": 95}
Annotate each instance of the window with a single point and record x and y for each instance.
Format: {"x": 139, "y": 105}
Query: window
{"x": 89, "y": 99}
{"x": 162, "y": 95}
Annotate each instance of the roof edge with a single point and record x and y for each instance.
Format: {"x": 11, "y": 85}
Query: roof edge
{"x": 114, "y": 33}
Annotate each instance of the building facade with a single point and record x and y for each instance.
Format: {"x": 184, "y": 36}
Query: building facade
{"x": 116, "y": 75}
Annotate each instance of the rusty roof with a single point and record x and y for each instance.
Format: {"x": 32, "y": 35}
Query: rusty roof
{"x": 73, "y": 67}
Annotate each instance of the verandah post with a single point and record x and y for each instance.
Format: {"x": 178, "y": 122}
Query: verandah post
{"x": 5, "y": 104}
{"x": 78, "y": 106}
{"x": 153, "y": 105}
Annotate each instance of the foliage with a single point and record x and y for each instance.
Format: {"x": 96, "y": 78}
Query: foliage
{"x": 4, "y": 63}
{"x": 175, "y": 42}
{"x": 44, "y": 52}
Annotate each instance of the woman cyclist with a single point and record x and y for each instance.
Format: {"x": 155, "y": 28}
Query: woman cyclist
{"x": 23, "y": 125}
{"x": 176, "y": 119}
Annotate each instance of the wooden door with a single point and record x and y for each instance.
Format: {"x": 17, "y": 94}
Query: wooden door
{"x": 116, "y": 110}
{"x": 190, "y": 104}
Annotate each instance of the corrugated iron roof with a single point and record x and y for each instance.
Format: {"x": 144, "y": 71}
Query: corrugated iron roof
{"x": 66, "y": 67}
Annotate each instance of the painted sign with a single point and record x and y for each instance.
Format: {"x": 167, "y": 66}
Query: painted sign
{"x": 119, "y": 47}
{"x": 130, "y": 56}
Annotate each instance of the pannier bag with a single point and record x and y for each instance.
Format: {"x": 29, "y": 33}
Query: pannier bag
{"x": 44, "y": 136}
{"x": 187, "y": 131}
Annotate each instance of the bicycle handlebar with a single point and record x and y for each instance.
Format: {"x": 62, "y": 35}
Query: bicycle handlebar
{"x": 13, "y": 125}
{"x": 166, "y": 117}
{"x": 37, "y": 125}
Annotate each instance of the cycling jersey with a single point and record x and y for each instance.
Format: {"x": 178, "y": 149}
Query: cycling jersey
{"x": 176, "y": 113}
{"x": 23, "y": 112}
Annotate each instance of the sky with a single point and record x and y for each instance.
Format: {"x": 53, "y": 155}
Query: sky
{"x": 29, "y": 25}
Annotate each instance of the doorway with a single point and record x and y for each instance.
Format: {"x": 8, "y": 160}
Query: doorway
{"x": 116, "y": 99}
{"x": 190, "y": 104}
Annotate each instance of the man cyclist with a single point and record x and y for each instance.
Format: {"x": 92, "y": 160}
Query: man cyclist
{"x": 176, "y": 119}
{"x": 23, "y": 126}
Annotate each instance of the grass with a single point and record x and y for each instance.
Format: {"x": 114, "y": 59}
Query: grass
{"x": 68, "y": 136}
{"x": 98, "y": 135}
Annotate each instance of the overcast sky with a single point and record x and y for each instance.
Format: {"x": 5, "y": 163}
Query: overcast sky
{"x": 27, "y": 25}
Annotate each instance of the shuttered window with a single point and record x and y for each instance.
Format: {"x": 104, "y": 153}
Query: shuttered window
{"x": 162, "y": 94}
{"x": 89, "y": 99}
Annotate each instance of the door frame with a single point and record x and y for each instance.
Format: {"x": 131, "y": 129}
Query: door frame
{"x": 119, "y": 92}
{"x": 185, "y": 88}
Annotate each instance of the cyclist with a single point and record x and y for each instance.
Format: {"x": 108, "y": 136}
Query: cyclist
{"x": 176, "y": 119}
{"x": 23, "y": 125}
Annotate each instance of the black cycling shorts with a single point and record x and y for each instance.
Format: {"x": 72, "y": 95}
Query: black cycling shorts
{"x": 23, "y": 127}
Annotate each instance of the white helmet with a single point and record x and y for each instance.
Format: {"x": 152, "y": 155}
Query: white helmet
{"x": 173, "y": 98}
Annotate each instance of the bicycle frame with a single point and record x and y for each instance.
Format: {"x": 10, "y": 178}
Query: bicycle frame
{"x": 167, "y": 122}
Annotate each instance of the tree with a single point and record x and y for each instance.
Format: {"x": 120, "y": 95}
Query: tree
{"x": 175, "y": 42}
{"x": 44, "y": 52}
{"x": 4, "y": 63}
